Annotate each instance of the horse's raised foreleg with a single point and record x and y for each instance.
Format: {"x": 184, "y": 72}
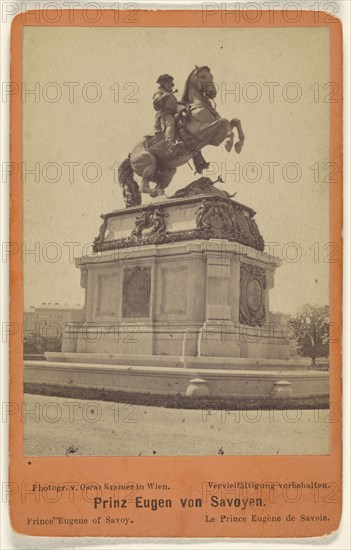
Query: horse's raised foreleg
{"x": 216, "y": 132}
{"x": 229, "y": 141}
{"x": 222, "y": 130}
{"x": 236, "y": 123}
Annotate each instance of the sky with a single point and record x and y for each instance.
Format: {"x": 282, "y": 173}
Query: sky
{"x": 93, "y": 101}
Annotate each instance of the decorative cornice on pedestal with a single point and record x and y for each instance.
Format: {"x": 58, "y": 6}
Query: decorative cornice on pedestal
{"x": 197, "y": 247}
{"x": 205, "y": 217}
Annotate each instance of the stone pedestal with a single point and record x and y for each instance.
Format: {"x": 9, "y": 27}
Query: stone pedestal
{"x": 186, "y": 277}
{"x": 177, "y": 302}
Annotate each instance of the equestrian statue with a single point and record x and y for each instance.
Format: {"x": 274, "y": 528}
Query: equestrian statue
{"x": 182, "y": 129}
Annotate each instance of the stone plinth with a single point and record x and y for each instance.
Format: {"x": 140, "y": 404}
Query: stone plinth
{"x": 176, "y": 381}
{"x": 177, "y": 302}
{"x": 184, "y": 277}
{"x": 181, "y": 219}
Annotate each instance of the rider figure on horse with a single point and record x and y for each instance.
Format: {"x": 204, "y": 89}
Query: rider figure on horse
{"x": 182, "y": 130}
{"x": 166, "y": 105}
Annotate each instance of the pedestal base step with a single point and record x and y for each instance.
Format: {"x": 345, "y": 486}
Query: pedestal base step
{"x": 162, "y": 361}
{"x": 179, "y": 381}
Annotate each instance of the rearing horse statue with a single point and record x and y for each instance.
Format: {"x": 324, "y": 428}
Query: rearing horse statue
{"x": 198, "y": 125}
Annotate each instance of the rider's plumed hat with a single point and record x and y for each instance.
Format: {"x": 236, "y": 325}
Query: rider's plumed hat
{"x": 161, "y": 79}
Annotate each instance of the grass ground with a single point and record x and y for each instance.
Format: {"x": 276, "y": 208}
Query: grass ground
{"x": 180, "y": 401}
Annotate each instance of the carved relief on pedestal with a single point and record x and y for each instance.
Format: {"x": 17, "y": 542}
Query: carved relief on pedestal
{"x": 102, "y": 231}
{"x": 215, "y": 217}
{"x": 225, "y": 219}
{"x": 136, "y": 292}
{"x": 252, "y": 295}
{"x": 150, "y": 226}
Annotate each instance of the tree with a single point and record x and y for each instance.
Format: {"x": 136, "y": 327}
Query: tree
{"x": 311, "y": 330}
{"x": 37, "y": 344}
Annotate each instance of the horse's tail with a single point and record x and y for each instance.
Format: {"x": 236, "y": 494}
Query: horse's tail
{"x": 125, "y": 172}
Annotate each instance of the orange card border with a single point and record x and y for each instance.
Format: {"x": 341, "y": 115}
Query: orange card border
{"x": 185, "y": 473}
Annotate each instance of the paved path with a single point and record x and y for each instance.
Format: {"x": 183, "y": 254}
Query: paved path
{"x": 56, "y": 426}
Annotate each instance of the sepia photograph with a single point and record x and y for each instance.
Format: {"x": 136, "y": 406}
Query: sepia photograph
{"x": 175, "y": 258}
{"x": 176, "y": 241}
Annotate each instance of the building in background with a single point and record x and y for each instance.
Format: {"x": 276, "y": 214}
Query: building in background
{"x": 49, "y": 319}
